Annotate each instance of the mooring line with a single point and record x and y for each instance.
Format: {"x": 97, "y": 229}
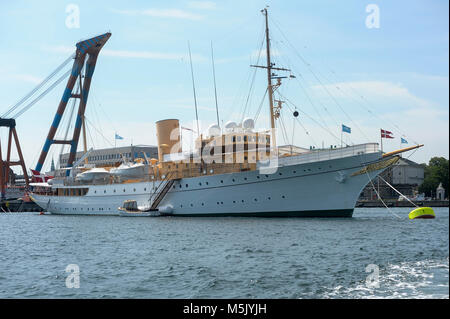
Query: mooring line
{"x": 398, "y": 192}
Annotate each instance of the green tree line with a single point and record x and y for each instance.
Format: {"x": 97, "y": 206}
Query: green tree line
{"x": 437, "y": 171}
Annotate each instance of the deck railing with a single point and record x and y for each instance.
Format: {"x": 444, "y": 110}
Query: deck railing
{"x": 328, "y": 154}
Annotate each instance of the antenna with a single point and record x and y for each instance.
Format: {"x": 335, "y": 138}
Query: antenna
{"x": 215, "y": 88}
{"x": 193, "y": 88}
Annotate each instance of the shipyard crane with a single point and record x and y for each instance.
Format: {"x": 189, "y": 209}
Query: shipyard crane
{"x": 90, "y": 48}
{"x": 85, "y": 57}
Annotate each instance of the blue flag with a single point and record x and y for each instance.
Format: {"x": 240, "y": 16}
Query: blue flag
{"x": 118, "y": 137}
{"x": 346, "y": 129}
{"x": 404, "y": 141}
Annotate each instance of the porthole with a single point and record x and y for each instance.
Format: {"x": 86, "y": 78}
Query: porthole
{"x": 257, "y": 176}
{"x": 104, "y": 191}
{"x": 221, "y": 182}
{"x": 187, "y": 185}
{"x": 203, "y": 204}
{"x": 295, "y": 172}
{"x": 124, "y": 190}
{"x": 245, "y": 178}
{"x": 233, "y": 180}
{"x": 283, "y": 196}
{"x": 268, "y": 198}
{"x": 200, "y": 184}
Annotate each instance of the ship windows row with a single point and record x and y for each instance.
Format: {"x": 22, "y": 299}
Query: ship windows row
{"x": 242, "y": 201}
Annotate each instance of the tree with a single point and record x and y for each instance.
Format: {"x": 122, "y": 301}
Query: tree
{"x": 437, "y": 171}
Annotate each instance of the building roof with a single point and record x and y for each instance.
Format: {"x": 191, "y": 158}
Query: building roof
{"x": 405, "y": 161}
{"x": 113, "y": 149}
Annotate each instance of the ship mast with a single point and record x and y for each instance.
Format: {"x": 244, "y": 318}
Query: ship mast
{"x": 269, "y": 80}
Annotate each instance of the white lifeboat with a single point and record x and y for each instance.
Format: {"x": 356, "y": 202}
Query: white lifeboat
{"x": 92, "y": 174}
{"x": 129, "y": 170}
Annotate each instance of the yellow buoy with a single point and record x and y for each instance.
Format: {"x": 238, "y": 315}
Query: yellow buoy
{"x": 422, "y": 212}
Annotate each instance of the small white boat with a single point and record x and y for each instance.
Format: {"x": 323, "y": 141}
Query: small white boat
{"x": 130, "y": 209}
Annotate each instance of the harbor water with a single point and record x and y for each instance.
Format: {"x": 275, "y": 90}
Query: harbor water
{"x": 376, "y": 254}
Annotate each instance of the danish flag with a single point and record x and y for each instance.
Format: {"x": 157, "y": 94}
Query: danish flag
{"x": 386, "y": 134}
{"x": 38, "y": 177}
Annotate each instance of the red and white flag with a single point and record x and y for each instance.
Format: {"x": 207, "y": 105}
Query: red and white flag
{"x": 38, "y": 177}
{"x": 386, "y": 134}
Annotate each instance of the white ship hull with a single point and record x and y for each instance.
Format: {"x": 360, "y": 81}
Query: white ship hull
{"x": 326, "y": 188}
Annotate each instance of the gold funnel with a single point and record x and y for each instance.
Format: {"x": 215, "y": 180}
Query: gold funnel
{"x": 168, "y": 136}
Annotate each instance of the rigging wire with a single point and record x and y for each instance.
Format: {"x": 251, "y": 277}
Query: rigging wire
{"x": 309, "y": 66}
{"x": 306, "y": 93}
{"x": 311, "y": 118}
{"x": 90, "y": 135}
{"x": 193, "y": 88}
{"x": 283, "y": 130}
{"x": 260, "y": 106}
{"x": 28, "y": 106}
{"x": 362, "y": 97}
{"x": 215, "y": 87}
{"x": 112, "y": 144}
{"x": 253, "y": 80}
{"x": 41, "y": 84}
{"x": 241, "y": 91}
{"x": 369, "y": 106}
{"x": 293, "y": 131}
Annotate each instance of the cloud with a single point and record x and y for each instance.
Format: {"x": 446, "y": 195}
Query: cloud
{"x": 27, "y": 78}
{"x": 161, "y": 13}
{"x": 202, "y": 5}
{"x": 131, "y": 54}
{"x": 375, "y": 89}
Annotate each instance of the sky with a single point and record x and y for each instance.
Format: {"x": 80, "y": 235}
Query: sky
{"x": 365, "y": 64}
